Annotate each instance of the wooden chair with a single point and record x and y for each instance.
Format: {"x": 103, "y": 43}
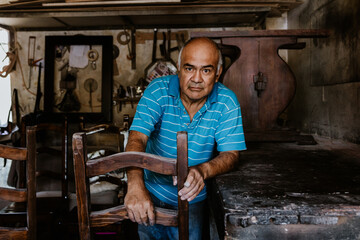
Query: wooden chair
{"x": 84, "y": 169}
{"x": 52, "y": 169}
{"x": 107, "y": 190}
{"x": 23, "y": 195}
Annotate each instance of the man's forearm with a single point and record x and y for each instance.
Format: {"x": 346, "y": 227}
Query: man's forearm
{"x": 223, "y": 163}
{"x": 136, "y": 143}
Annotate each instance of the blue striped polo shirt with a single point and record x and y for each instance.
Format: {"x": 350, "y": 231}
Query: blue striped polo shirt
{"x": 160, "y": 114}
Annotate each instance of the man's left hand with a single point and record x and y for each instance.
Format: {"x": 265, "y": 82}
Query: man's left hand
{"x": 193, "y": 185}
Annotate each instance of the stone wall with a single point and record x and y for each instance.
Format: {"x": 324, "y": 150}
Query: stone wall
{"x": 327, "y": 101}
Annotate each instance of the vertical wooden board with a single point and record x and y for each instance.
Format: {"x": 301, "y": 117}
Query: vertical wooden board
{"x": 280, "y": 87}
{"x": 82, "y": 190}
{"x": 239, "y": 78}
{"x": 31, "y": 182}
{"x": 182, "y": 169}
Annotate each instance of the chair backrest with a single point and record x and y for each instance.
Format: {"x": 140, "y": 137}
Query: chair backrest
{"x": 46, "y": 148}
{"x": 110, "y": 137}
{"x": 84, "y": 169}
{"x": 27, "y": 194}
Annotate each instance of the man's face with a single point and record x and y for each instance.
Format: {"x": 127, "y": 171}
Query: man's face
{"x": 197, "y": 72}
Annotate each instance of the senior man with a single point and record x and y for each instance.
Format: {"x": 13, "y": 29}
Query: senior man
{"x": 192, "y": 101}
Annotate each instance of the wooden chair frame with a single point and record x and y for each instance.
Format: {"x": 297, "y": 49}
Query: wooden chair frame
{"x": 21, "y": 195}
{"x": 84, "y": 169}
{"x": 61, "y": 130}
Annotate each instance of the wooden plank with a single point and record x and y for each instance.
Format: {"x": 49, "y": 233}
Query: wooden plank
{"x": 141, "y": 37}
{"x": 82, "y": 188}
{"x": 136, "y": 159}
{"x": 13, "y": 195}
{"x": 170, "y": 9}
{"x": 299, "y": 33}
{"x": 31, "y": 182}
{"x": 96, "y": 2}
{"x": 13, "y": 233}
{"x": 166, "y": 217}
{"x": 182, "y": 168}
{"x": 13, "y": 153}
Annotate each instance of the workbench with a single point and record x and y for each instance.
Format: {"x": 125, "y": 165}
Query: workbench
{"x": 290, "y": 191}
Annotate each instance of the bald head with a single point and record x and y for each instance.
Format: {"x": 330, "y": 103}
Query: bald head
{"x": 207, "y": 43}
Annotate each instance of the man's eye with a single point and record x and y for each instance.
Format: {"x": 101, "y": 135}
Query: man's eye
{"x": 188, "y": 69}
{"x": 206, "y": 71}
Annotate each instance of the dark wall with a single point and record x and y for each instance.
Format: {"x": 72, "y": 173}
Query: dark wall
{"x": 327, "y": 101}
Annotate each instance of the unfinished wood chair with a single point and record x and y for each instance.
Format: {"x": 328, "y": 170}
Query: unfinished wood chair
{"x": 84, "y": 169}
{"x": 23, "y": 195}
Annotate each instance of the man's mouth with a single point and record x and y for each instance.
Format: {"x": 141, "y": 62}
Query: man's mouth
{"x": 197, "y": 89}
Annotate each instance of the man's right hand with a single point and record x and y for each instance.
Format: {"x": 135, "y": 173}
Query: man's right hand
{"x": 139, "y": 206}
{"x": 138, "y": 202}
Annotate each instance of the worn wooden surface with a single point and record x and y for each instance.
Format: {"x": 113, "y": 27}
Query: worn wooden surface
{"x": 286, "y": 190}
{"x": 116, "y": 214}
{"x": 148, "y": 161}
{"x": 85, "y": 168}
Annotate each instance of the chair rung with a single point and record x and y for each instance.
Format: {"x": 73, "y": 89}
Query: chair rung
{"x": 13, "y": 233}
{"x": 167, "y": 217}
{"x": 13, "y": 195}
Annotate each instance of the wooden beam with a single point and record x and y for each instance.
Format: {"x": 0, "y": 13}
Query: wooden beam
{"x": 299, "y": 33}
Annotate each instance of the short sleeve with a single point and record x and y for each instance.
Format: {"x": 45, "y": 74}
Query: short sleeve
{"x": 229, "y": 133}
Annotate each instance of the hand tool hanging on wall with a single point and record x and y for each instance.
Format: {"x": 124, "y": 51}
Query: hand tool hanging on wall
{"x": 12, "y": 55}
{"x": 124, "y": 38}
{"x": 121, "y": 93}
{"x": 116, "y": 53}
{"x": 31, "y": 56}
{"x": 93, "y": 55}
{"x": 133, "y": 48}
{"x": 38, "y": 93}
{"x": 90, "y": 86}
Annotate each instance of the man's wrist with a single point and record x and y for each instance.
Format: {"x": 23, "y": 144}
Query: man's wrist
{"x": 204, "y": 170}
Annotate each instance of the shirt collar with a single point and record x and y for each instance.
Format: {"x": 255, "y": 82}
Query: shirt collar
{"x": 174, "y": 89}
{"x": 174, "y": 86}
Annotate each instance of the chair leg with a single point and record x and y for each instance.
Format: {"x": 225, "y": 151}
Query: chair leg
{"x": 182, "y": 167}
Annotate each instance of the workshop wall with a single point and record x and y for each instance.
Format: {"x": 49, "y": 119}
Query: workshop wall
{"x": 327, "y": 101}
{"x": 25, "y": 80}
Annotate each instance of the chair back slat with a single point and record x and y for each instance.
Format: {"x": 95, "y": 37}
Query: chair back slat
{"x": 49, "y": 127}
{"x": 13, "y": 195}
{"x": 131, "y": 159}
{"x": 13, "y": 153}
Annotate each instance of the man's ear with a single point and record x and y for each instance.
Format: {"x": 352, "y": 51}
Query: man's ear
{"x": 218, "y": 74}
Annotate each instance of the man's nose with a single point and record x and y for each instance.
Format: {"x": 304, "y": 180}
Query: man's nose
{"x": 197, "y": 76}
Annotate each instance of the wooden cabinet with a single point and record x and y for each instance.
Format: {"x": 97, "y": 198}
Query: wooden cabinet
{"x": 262, "y": 81}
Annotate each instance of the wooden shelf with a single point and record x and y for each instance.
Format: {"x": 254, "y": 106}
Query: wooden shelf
{"x": 60, "y": 15}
